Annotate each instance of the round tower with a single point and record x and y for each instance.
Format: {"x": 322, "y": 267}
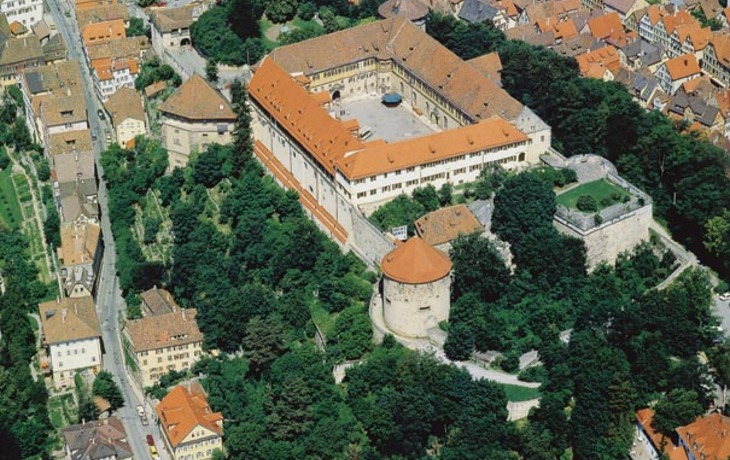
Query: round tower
{"x": 416, "y": 288}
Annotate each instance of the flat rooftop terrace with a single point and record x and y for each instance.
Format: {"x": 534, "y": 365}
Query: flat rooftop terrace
{"x": 388, "y": 123}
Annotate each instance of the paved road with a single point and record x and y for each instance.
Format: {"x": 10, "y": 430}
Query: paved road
{"x": 109, "y": 297}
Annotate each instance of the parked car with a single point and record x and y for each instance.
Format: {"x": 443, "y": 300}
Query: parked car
{"x": 145, "y": 422}
{"x": 724, "y": 297}
{"x": 153, "y": 452}
{"x": 101, "y": 114}
{"x": 150, "y": 440}
{"x": 140, "y": 411}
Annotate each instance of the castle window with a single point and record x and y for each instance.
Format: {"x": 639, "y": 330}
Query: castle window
{"x": 424, "y": 309}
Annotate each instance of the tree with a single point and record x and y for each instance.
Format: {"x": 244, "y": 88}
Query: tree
{"x": 428, "y": 197}
{"x": 352, "y": 335}
{"x": 44, "y": 171}
{"x": 4, "y": 158}
{"x": 264, "y": 341}
{"x": 211, "y": 70}
{"x": 137, "y": 28}
{"x": 478, "y": 268}
{"x": 459, "y": 343}
{"x": 105, "y": 387}
{"x": 446, "y": 195}
{"x": 281, "y": 11}
{"x": 524, "y": 203}
{"x": 678, "y": 408}
{"x": 306, "y": 10}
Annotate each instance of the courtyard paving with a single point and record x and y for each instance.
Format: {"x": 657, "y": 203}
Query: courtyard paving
{"x": 388, "y": 123}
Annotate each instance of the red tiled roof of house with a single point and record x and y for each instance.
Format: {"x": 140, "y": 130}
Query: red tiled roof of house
{"x": 707, "y": 437}
{"x": 645, "y": 417}
{"x": 416, "y": 262}
{"x": 185, "y": 408}
{"x": 682, "y": 66}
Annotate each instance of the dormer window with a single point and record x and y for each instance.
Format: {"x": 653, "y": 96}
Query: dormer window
{"x": 67, "y": 113}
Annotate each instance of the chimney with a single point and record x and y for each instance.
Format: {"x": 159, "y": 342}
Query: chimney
{"x": 64, "y": 312}
{"x": 76, "y": 308}
{"x": 183, "y": 314}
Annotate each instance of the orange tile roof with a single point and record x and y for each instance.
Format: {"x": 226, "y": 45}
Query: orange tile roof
{"x": 485, "y": 135}
{"x": 415, "y": 262}
{"x": 324, "y": 137}
{"x": 723, "y": 102}
{"x": 196, "y": 99}
{"x": 699, "y": 37}
{"x": 169, "y": 329}
{"x": 606, "y": 26}
{"x": 103, "y": 32}
{"x": 593, "y": 63}
{"x": 645, "y": 417}
{"x": 406, "y": 45}
{"x": 92, "y": 4}
{"x": 184, "y": 409}
{"x": 446, "y": 224}
{"x": 707, "y": 437}
{"x": 490, "y": 65}
{"x": 655, "y": 13}
{"x": 330, "y": 141}
{"x": 682, "y": 66}
{"x": 721, "y": 44}
{"x": 671, "y": 22}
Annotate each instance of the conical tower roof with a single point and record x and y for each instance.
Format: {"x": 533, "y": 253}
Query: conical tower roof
{"x": 415, "y": 262}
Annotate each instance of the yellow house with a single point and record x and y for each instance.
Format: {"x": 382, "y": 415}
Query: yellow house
{"x": 190, "y": 429}
{"x": 127, "y": 115}
{"x": 163, "y": 343}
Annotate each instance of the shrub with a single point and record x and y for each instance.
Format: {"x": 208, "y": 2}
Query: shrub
{"x": 534, "y": 374}
{"x": 586, "y": 203}
{"x": 510, "y": 363}
{"x": 607, "y": 201}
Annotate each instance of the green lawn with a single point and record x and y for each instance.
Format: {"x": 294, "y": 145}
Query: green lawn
{"x": 322, "y": 318}
{"x": 516, "y": 393}
{"x": 10, "y": 212}
{"x": 598, "y": 189}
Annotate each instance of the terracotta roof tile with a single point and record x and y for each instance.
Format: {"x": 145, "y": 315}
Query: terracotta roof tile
{"x": 103, "y": 32}
{"x": 388, "y": 157}
{"x": 69, "y": 319}
{"x": 606, "y": 26}
{"x": 70, "y": 167}
{"x": 645, "y": 417}
{"x": 602, "y": 58}
{"x": 412, "y": 10}
{"x": 152, "y": 332}
{"x": 326, "y": 138}
{"x": 169, "y": 19}
{"x": 721, "y": 44}
{"x": 707, "y": 437}
{"x": 155, "y": 88}
{"x": 446, "y": 224}
{"x": 490, "y": 65}
{"x": 158, "y": 301}
{"x": 407, "y": 45}
{"x": 415, "y": 262}
{"x": 125, "y": 103}
{"x": 70, "y": 142}
{"x": 78, "y": 243}
{"x": 196, "y": 99}
{"x": 102, "y": 13}
{"x": 185, "y": 408}
{"x": 682, "y": 66}
{"x": 672, "y": 21}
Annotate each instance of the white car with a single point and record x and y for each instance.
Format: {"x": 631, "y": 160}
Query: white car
{"x": 140, "y": 411}
{"x": 724, "y": 297}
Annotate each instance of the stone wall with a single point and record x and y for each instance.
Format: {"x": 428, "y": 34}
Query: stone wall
{"x": 410, "y": 310}
{"x": 606, "y": 241}
{"x": 367, "y": 241}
